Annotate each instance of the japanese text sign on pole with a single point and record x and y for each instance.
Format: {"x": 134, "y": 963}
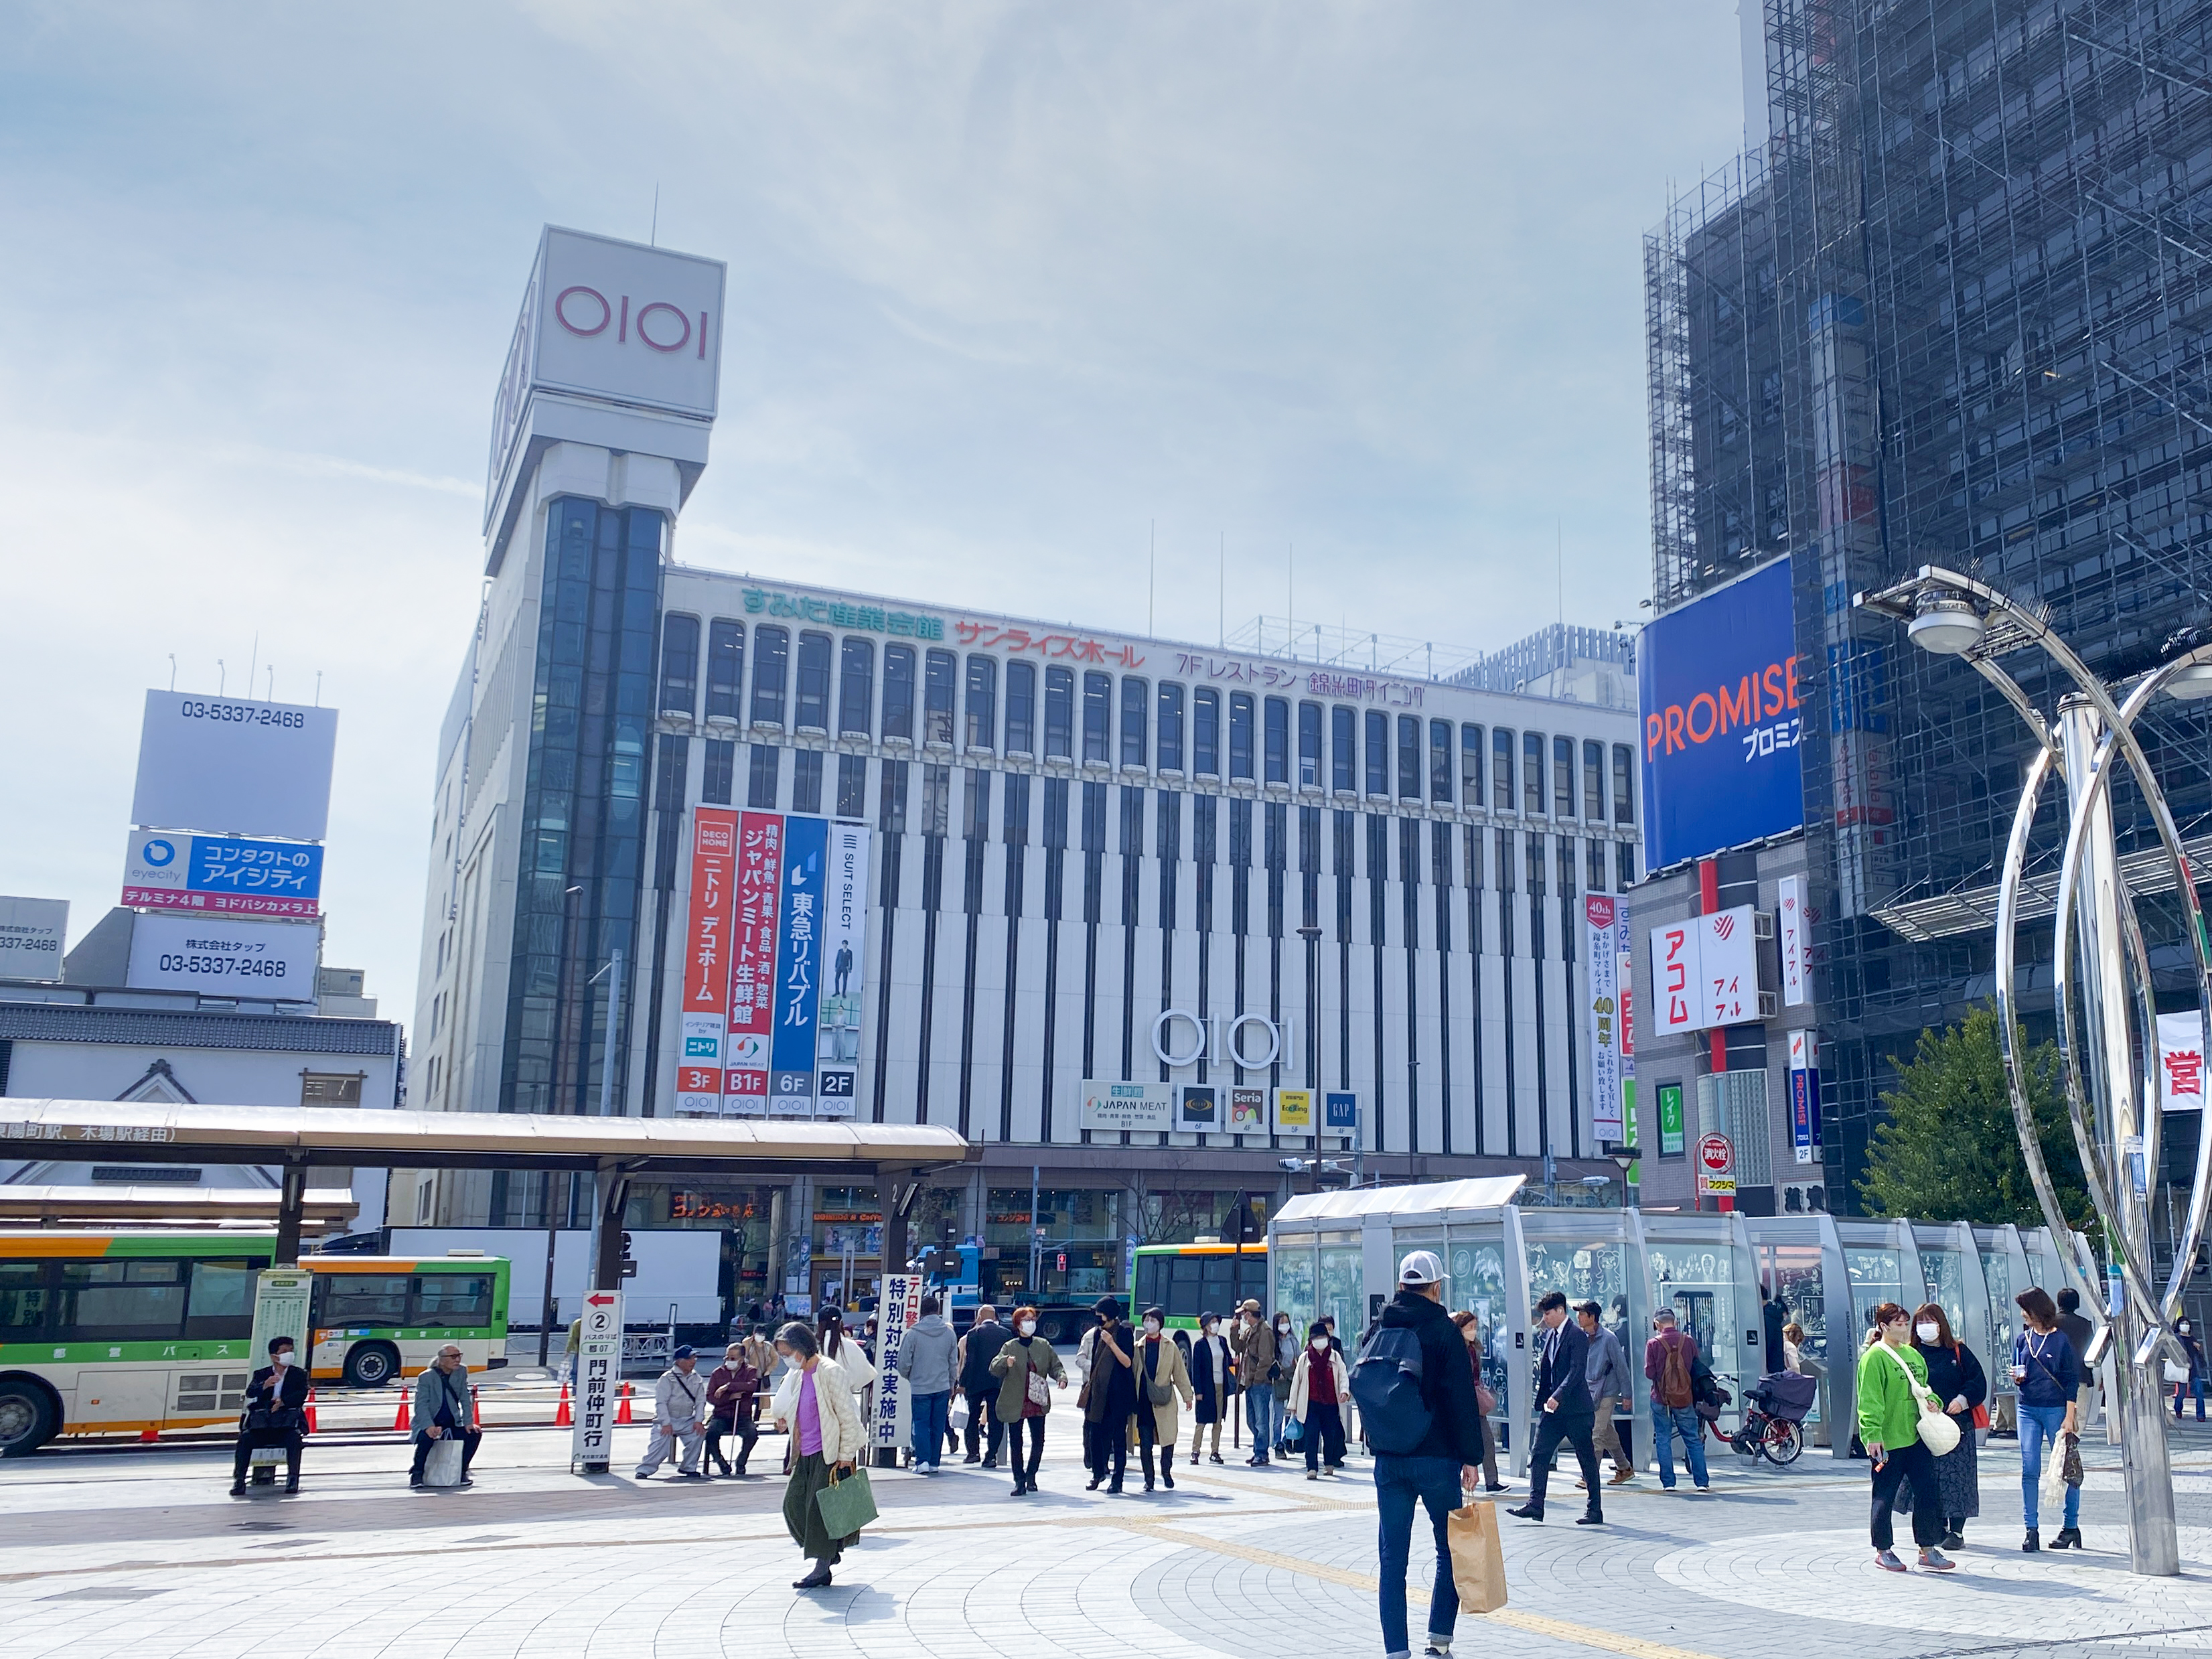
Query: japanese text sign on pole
{"x": 2181, "y": 1063}
{"x": 706, "y": 959}
{"x": 599, "y": 1368}
{"x": 797, "y": 969}
{"x": 1804, "y": 1098}
{"x": 1599, "y": 917}
{"x": 900, "y": 1307}
{"x": 752, "y": 963}
{"x": 1715, "y": 1167}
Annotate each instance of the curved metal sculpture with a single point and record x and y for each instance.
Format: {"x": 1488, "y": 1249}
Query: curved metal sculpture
{"x": 2099, "y": 960}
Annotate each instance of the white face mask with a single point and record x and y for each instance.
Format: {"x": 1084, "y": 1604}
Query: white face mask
{"x": 1282, "y": 1327}
{"x": 1925, "y": 1330}
{"x": 1320, "y": 1344}
{"x": 1152, "y": 1328}
{"x": 1029, "y": 1328}
{"x": 282, "y": 1357}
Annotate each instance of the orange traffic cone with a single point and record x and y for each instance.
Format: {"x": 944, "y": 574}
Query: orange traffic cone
{"x": 311, "y": 1411}
{"x": 475, "y": 1405}
{"x": 404, "y": 1423}
{"x": 622, "y": 1410}
{"x": 565, "y": 1418}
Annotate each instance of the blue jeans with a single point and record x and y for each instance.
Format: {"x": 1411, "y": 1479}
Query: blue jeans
{"x": 1666, "y": 1422}
{"x": 2037, "y": 1424}
{"x": 1401, "y": 1483}
{"x": 2194, "y": 1386}
{"x": 931, "y": 1411}
{"x": 1259, "y": 1416}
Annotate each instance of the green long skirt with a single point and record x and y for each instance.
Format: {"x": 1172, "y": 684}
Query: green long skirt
{"x": 802, "y": 1516}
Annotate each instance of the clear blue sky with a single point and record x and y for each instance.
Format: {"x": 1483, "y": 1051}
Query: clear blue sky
{"x": 1009, "y": 283}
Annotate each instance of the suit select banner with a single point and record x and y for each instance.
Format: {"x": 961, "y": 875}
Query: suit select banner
{"x": 1716, "y": 686}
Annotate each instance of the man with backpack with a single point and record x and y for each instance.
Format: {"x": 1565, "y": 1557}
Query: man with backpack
{"x": 1670, "y": 1363}
{"x": 1417, "y": 1405}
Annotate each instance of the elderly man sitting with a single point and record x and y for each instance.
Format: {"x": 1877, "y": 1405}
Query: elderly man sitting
{"x": 679, "y": 1406}
{"x": 442, "y": 1411}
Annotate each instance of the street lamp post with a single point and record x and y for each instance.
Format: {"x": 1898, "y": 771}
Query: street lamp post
{"x": 2110, "y": 1050}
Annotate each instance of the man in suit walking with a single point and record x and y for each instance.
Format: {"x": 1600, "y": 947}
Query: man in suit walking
{"x": 1564, "y": 1410}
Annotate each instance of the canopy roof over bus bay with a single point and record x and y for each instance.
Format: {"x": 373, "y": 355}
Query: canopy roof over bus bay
{"x": 1432, "y": 1197}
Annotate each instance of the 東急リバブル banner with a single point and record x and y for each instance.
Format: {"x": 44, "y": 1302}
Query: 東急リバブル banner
{"x": 1716, "y": 686}
{"x": 791, "y": 999}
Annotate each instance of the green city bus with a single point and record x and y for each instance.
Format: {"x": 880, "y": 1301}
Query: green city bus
{"x": 105, "y": 1332}
{"x": 1189, "y": 1280}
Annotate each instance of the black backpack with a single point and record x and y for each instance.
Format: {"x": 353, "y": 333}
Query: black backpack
{"x": 1387, "y": 1384}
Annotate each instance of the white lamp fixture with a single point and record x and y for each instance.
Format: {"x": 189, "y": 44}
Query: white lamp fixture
{"x": 1945, "y": 624}
{"x": 2191, "y": 683}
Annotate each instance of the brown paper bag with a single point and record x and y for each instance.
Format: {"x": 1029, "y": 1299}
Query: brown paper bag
{"x": 1478, "y": 1561}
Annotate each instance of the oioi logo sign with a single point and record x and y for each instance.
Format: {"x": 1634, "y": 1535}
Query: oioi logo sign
{"x": 586, "y": 313}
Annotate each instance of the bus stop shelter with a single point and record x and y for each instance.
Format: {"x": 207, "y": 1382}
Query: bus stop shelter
{"x": 614, "y": 1151}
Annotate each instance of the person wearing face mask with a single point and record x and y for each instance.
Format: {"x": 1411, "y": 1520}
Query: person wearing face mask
{"x": 1110, "y": 1396}
{"x": 1893, "y": 1383}
{"x": 1288, "y": 1347}
{"x": 1212, "y": 1381}
{"x": 1470, "y": 1328}
{"x": 1256, "y": 1364}
{"x": 2195, "y": 1385}
{"x": 1024, "y": 1366}
{"x": 814, "y": 1404}
{"x": 275, "y": 1415}
{"x": 1320, "y": 1385}
{"x": 1162, "y": 1377}
{"x": 1956, "y": 1378}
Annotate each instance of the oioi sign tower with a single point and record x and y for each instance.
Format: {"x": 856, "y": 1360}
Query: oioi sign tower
{"x": 2101, "y": 983}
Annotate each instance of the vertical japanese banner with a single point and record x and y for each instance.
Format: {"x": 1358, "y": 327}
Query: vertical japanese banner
{"x": 1624, "y": 946}
{"x": 1675, "y": 973}
{"x": 794, "y": 1002}
{"x": 752, "y": 964}
{"x": 707, "y": 960}
{"x": 844, "y": 941}
{"x": 1790, "y": 915}
{"x": 1604, "y": 967}
{"x": 1804, "y": 1097}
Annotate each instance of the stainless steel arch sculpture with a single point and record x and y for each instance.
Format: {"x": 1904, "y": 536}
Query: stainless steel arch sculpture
{"x": 2109, "y": 1046}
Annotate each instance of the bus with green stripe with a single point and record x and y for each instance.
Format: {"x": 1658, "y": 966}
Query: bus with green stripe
{"x": 1189, "y": 1280}
{"x": 113, "y": 1332}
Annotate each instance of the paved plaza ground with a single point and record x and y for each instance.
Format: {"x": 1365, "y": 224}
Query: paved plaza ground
{"x": 139, "y": 1551}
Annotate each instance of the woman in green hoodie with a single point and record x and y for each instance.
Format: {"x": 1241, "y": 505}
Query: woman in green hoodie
{"x": 1892, "y": 1378}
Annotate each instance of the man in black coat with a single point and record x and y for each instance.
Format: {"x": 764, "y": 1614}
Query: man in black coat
{"x": 1565, "y": 1411}
{"x": 275, "y": 1415}
{"x": 977, "y": 1349}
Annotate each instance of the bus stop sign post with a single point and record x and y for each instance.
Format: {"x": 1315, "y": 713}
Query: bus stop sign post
{"x": 599, "y": 1365}
{"x": 280, "y": 1308}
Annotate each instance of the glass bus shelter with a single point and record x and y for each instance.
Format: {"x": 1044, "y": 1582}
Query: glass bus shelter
{"x": 1338, "y": 1254}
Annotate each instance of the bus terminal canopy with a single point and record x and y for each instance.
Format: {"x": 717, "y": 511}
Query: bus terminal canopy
{"x": 336, "y": 1137}
{"x": 1477, "y": 1193}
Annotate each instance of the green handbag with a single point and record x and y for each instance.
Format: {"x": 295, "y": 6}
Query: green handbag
{"x": 848, "y": 1503}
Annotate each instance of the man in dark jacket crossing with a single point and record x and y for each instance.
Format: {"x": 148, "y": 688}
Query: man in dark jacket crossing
{"x": 1447, "y": 1460}
{"x": 1565, "y": 1411}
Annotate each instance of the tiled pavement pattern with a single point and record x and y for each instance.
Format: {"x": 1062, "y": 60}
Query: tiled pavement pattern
{"x": 126, "y": 1550}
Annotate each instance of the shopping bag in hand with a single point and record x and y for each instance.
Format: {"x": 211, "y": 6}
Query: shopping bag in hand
{"x": 1478, "y": 1561}
{"x": 848, "y": 1503}
{"x": 442, "y": 1468}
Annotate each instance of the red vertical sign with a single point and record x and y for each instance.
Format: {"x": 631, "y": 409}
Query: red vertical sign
{"x": 707, "y": 958}
{"x": 752, "y": 960}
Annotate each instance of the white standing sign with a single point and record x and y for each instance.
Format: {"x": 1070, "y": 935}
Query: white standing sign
{"x": 33, "y": 933}
{"x": 893, "y": 1426}
{"x": 264, "y": 961}
{"x": 234, "y": 766}
{"x": 1791, "y": 931}
{"x": 599, "y": 1368}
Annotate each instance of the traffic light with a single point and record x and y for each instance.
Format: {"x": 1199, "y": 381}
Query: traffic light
{"x": 628, "y": 1261}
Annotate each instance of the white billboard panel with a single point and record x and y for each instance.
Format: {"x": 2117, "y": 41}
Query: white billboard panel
{"x": 1728, "y": 953}
{"x": 216, "y": 956}
{"x": 234, "y": 766}
{"x": 33, "y": 934}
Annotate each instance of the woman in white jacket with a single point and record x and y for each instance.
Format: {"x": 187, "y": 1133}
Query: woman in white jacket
{"x": 1319, "y": 1388}
{"x": 846, "y": 1352}
{"x": 814, "y": 1403}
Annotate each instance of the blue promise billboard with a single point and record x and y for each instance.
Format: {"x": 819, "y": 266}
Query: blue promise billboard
{"x": 1716, "y": 685}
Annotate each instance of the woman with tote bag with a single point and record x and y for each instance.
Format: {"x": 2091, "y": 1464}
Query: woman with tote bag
{"x": 814, "y": 1403}
{"x": 1903, "y": 1429}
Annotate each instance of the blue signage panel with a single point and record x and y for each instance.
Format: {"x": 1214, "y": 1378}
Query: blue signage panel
{"x": 1339, "y": 1112}
{"x": 797, "y": 963}
{"x": 1716, "y": 686}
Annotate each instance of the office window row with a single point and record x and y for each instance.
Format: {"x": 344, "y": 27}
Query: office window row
{"x": 931, "y": 698}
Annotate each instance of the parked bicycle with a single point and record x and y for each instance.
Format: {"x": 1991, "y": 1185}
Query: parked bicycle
{"x": 1774, "y": 1418}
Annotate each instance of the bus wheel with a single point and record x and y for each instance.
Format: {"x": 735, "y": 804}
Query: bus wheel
{"x": 27, "y": 1418}
{"x": 371, "y": 1366}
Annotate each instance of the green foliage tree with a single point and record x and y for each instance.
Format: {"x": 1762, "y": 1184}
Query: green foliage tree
{"x": 1950, "y": 1149}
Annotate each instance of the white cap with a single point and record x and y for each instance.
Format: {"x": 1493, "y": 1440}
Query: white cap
{"x": 1420, "y": 1268}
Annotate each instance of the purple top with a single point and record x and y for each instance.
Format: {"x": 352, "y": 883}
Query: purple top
{"x": 810, "y": 1418}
